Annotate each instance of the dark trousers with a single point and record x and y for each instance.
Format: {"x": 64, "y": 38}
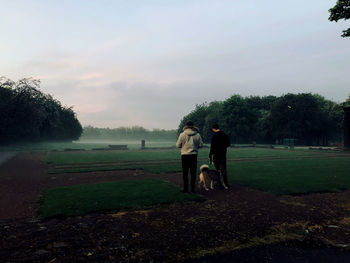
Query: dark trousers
{"x": 220, "y": 165}
{"x": 189, "y": 162}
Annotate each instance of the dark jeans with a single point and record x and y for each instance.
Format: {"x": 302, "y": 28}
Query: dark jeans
{"x": 189, "y": 162}
{"x": 220, "y": 165}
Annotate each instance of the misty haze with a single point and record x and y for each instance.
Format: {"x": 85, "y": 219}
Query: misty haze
{"x": 174, "y": 131}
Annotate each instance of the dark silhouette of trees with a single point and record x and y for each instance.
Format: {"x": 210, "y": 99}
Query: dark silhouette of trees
{"x": 309, "y": 118}
{"x": 240, "y": 118}
{"x": 341, "y": 10}
{"x": 27, "y": 114}
{"x": 203, "y": 116}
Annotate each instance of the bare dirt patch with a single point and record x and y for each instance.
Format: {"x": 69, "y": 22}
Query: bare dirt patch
{"x": 227, "y": 224}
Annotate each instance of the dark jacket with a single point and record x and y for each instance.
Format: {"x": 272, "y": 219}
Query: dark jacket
{"x": 219, "y": 144}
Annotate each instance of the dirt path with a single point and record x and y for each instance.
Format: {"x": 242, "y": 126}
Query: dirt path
{"x": 230, "y": 220}
{"x": 20, "y": 185}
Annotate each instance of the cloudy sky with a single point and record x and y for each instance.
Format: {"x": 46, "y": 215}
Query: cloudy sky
{"x": 149, "y": 62}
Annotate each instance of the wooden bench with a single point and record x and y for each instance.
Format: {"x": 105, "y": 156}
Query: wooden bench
{"x": 118, "y": 146}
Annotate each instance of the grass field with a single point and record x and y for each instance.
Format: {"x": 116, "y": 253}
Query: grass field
{"x": 155, "y": 161}
{"x": 83, "y": 199}
{"x": 63, "y": 158}
{"x": 86, "y": 145}
{"x": 163, "y": 167}
{"x": 298, "y": 176}
{"x": 277, "y": 171}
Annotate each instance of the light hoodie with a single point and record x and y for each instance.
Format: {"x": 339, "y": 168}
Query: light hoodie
{"x": 189, "y": 141}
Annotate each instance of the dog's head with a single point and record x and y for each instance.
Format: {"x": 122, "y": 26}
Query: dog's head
{"x": 204, "y": 168}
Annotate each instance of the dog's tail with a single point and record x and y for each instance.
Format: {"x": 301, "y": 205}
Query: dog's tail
{"x": 204, "y": 167}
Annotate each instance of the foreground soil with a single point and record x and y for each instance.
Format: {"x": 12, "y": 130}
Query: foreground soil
{"x": 239, "y": 224}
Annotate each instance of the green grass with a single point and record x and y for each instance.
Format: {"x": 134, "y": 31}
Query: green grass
{"x": 154, "y": 161}
{"x": 165, "y": 167}
{"x": 304, "y": 171}
{"x": 164, "y": 161}
{"x": 134, "y": 194}
{"x": 293, "y": 176}
{"x": 62, "y": 158}
{"x": 86, "y": 145}
{"x": 49, "y": 146}
{"x": 251, "y": 153}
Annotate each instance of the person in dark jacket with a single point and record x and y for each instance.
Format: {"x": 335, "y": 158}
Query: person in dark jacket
{"x": 218, "y": 149}
{"x": 189, "y": 141}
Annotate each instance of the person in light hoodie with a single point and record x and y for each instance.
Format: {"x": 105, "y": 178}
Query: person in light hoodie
{"x": 189, "y": 142}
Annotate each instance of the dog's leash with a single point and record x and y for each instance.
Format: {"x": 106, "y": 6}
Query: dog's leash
{"x": 211, "y": 164}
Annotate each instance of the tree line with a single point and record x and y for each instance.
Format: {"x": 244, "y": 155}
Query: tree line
{"x": 128, "y": 133}
{"x": 309, "y": 118}
{"x": 27, "y": 114}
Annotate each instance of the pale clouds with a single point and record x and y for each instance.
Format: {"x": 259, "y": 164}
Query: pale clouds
{"x": 124, "y": 63}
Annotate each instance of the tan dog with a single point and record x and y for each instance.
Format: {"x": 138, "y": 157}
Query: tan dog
{"x": 209, "y": 174}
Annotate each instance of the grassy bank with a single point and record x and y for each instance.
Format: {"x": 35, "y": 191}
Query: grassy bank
{"x": 88, "y": 198}
{"x": 299, "y": 176}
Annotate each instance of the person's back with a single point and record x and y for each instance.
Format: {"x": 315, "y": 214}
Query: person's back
{"x": 219, "y": 143}
{"x": 189, "y": 141}
{"x": 218, "y": 149}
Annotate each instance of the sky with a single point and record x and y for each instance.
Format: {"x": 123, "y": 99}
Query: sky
{"x": 148, "y": 63}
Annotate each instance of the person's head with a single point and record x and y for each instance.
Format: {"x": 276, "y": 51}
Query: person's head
{"x": 215, "y": 127}
{"x": 189, "y": 124}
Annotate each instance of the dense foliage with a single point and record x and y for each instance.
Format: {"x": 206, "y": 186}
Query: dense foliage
{"x": 27, "y": 114}
{"x": 128, "y": 133}
{"x": 341, "y": 10}
{"x": 309, "y": 118}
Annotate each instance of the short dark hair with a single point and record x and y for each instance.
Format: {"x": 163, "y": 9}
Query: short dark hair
{"x": 215, "y": 126}
{"x": 189, "y": 123}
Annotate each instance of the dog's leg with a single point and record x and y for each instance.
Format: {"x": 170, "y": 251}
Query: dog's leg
{"x": 203, "y": 179}
{"x": 212, "y": 184}
{"x": 200, "y": 180}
